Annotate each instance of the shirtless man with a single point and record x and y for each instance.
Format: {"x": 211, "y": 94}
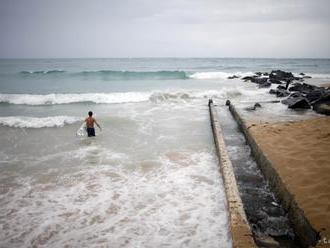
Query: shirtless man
{"x": 90, "y": 124}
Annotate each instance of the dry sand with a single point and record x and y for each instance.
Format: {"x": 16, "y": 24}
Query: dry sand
{"x": 327, "y": 85}
{"x": 300, "y": 151}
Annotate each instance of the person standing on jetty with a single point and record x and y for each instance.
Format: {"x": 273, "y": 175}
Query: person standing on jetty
{"x": 90, "y": 120}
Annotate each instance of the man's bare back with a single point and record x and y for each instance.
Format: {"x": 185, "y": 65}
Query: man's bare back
{"x": 90, "y": 124}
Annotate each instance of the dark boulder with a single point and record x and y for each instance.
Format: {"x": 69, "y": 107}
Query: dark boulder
{"x": 303, "y": 88}
{"x": 265, "y": 85}
{"x": 260, "y": 80}
{"x": 316, "y": 94}
{"x": 272, "y": 91}
{"x": 250, "y": 78}
{"x": 297, "y": 103}
{"x": 322, "y": 105}
{"x": 279, "y": 92}
{"x": 275, "y": 81}
{"x": 228, "y": 103}
{"x": 282, "y": 93}
{"x": 296, "y": 94}
{"x": 281, "y": 87}
{"x": 302, "y": 74}
{"x": 233, "y": 76}
{"x": 280, "y": 75}
{"x": 256, "y": 105}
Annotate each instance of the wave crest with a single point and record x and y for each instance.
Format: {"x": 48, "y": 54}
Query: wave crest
{"x": 125, "y": 97}
{"x": 218, "y": 74}
{"x": 51, "y": 99}
{"x": 35, "y": 122}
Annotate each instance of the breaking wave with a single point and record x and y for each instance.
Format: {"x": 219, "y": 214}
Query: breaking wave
{"x": 51, "y": 99}
{"x": 35, "y": 122}
{"x": 218, "y": 74}
{"x": 123, "y": 97}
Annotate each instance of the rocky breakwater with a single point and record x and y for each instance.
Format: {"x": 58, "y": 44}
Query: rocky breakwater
{"x": 297, "y": 94}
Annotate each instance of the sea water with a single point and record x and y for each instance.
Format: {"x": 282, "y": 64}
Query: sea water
{"x": 150, "y": 178}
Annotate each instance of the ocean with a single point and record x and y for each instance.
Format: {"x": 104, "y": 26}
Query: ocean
{"x": 150, "y": 178}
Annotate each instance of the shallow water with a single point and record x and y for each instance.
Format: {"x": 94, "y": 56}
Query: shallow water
{"x": 149, "y": 179}
{"x": 144, "y": 181}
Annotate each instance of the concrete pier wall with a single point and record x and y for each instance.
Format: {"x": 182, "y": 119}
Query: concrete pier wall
{"x": 239, "y": 226}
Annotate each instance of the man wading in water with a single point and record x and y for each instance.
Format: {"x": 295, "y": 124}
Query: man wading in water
{"x": 90, "y": 124}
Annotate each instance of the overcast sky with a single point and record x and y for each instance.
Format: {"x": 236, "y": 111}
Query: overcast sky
{"x": 164, "y": 28}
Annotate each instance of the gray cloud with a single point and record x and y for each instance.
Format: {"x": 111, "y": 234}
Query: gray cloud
{"x": 177, "y": 28}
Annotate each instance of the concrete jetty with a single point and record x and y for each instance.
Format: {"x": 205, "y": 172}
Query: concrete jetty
{"x": 239, "y": 226}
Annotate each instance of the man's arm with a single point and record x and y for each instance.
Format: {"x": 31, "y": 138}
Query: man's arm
{"x": 97, "y": 124}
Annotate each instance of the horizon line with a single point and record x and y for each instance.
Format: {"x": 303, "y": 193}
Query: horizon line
{"x": 169, "y": 57}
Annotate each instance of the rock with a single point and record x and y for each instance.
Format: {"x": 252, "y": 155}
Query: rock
{"x": 260, "y": 80}
{"x": 258, "y": 73}
{"x": 266, "y": 74}
{"x": 281, "y": 87}
{"x": 272, "y": 91}
{"x": 249, "y": 78}
{"x": 296, "y": 94}
{"x": 266, "y": 241}
{"x": 302, "y": 74}
{"x": 256, "y": 105}
{"x": 282, "y": 93}
{"x": 287, "y": 83}
{"x": 233, "y": 76}
{"x": 297, "y": 102}
{"x": 322, "y": 105}
{"x": 322, "y": 108}
{"x": 281, "y": 75}
{"x": 275, "y": 81}
{"x": 305, "y": 77}
{"x": 265, "y": 85}
{"x": 303, "y": 88}
{"x": 228, "y": 103}
{"x": 315, "y": 95}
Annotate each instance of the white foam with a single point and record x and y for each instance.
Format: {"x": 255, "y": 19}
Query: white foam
{"x": 218, "y": 74}
{"x": 124, "y": 97}
{"x": 49, "y": 99}
{"x": 34, "y": 122}
{"x": 176, "y": 203}
{"x": 318, "y": 75}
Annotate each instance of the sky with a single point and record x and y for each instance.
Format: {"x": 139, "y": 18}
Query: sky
{"x": 164, "y": 28}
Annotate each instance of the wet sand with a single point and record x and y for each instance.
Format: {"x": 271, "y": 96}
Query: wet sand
{"x": 300, "y": 152}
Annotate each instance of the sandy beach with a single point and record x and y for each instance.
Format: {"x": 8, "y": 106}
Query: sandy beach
{"x": 300, "y": 151}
